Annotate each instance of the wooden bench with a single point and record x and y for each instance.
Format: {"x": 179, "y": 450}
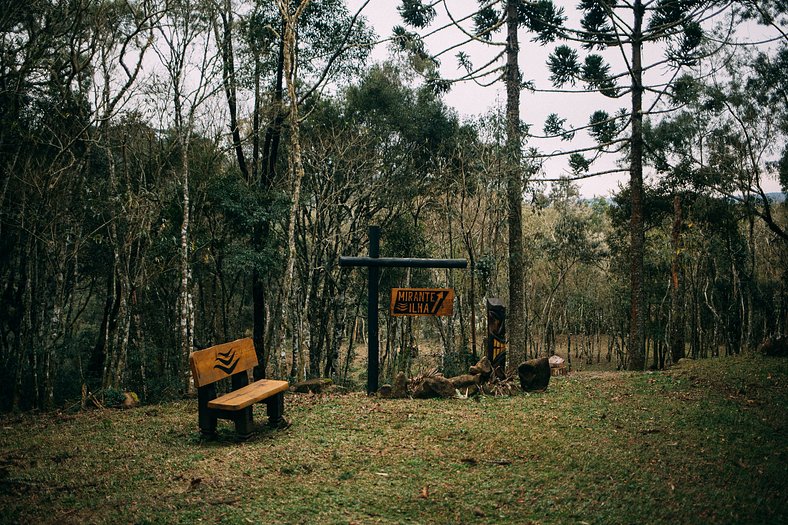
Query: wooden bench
{"x": 233, "y": 360}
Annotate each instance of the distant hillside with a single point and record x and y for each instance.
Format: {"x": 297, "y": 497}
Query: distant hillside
{"x": 774, "y": 196}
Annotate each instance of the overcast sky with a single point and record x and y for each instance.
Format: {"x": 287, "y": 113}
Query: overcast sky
{"x": 469, "y": 99}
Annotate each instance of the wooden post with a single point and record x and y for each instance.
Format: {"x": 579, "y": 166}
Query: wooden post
{"x": 275, "y": 407}
{"x": 373, "y": 263}
{"x": 373, "y": 369}
{"x": 206, "y": 417}
{"x": 243, "y": 418}
{"x": 243, "y": 422}
{"x": 496, "y": 335}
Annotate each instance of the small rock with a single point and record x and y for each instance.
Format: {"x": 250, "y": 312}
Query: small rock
{"x": 130, "y": 400}
{"x": 385, "y": 391}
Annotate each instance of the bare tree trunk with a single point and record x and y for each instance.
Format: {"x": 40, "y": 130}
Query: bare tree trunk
{"x": 637, "y": 327}
{"x": 514, "y": 193}
{"x": 24, "y": 337}
{"x": 296, "y": 160}
{"x": 469, "y": 246}
{"x": 351, "y": 341}
{"x": 110, "y": 329}
{"x": 186, "y": 321}
{"x": 676, "y": 288}
{"x": 752, "y": 288}
{"x": 55, "y": 332}
{"x": 122, "y": 346}
{"x": 472, "y": 301}
{"x": 140, "y": 342}
{"x": 450, "y": 277}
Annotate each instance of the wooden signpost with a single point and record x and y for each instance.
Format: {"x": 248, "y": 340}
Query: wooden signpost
{"x": 422, "y": 301}
{"x": 374, "y": 262}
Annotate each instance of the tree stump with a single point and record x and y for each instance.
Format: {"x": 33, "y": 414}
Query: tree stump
{"x": 557, "y": 365}
{"x": 534, "y": 374}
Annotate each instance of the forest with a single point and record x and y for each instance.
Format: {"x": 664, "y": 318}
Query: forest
{"x": 178, "y": 174}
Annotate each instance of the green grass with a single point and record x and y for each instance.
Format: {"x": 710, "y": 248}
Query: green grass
{"x": 703, "y": 443}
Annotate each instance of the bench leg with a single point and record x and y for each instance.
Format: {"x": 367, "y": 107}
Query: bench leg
{"x": 205, "y": 417}
{"x": 243, "y": 422}
{"x": 275, "y": 406}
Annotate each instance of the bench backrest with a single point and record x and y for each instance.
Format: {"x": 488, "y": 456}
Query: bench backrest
{"x": 220, "y": 361}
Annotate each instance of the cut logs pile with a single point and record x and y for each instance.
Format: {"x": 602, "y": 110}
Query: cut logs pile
{"x": 533, "y": 375}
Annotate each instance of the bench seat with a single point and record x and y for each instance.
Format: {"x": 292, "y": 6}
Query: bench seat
{"x": 248, "y": 395}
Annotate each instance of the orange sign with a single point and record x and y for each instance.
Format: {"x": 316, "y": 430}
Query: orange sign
{"x": 422, "y": 301}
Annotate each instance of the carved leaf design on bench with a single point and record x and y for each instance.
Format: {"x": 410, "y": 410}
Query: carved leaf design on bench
{"x": 217, "y": 362}
{"x": 226, "y": 361}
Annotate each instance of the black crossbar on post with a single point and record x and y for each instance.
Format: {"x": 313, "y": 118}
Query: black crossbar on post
{"x": 403, "y": 262}
{"x": 374, "y": 262}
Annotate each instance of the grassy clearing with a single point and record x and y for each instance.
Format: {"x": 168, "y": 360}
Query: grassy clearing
{"x": 702, "y": 443}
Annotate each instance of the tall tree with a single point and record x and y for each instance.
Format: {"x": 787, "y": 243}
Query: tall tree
{"x": 726, "y": 140}
{"x": 55, "y": 56}
{"x": 187, "y": 53}
{"x": 327, "y": 43}
{"x": 625, "y": 28}
{"x": 488, "y": 19}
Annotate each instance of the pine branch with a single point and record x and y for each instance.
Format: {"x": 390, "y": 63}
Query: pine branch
{"x": 628, "y": 116}
{"x": 476, "y": 74}
{"x": 453, "y": 24}
{"x": 487, "y": 31}
{"x": 766, "y": 16}
{"x": 584, "y": 176}
{"x": 599, "y": 148}
{"x": 575, "y": 91}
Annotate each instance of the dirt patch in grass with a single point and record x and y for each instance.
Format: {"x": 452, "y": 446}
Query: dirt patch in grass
{"x": 703, "y": 443}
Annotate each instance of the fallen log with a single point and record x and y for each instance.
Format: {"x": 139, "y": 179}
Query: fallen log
{"x": 317, "y": 385}
{"x": 435, "y": 386}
